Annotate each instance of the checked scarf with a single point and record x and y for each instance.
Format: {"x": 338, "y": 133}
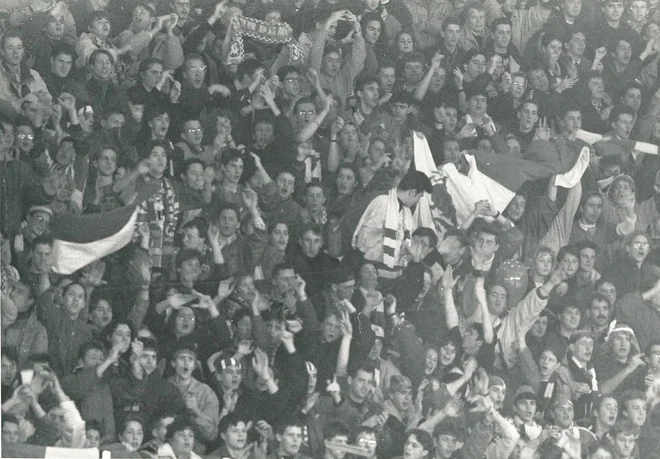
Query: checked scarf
{"x": 263, "y": 32}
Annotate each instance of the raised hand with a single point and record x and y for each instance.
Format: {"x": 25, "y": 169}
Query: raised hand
{"x": 458, "y": 77}
{"x": 543, "y": 132}
{"x": 345, "y": 325}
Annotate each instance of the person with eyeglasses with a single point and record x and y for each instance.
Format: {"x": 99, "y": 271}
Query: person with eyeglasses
{"x": 195, "y": 94}
{"x": 629, "y": 269}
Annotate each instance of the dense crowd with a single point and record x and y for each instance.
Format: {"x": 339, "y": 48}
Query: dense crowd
{"x": 306, "y": 272}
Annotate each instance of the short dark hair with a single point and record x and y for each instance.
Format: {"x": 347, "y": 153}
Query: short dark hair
{"x": 180, "y": 423}
{"x": 288, "y": 421}
{"x": 59, "y": 48}
{"x": 96, "y": 52}
{"x": 619, "y": 110}
{"x": 199, "y": 223}
{"x": 587, "y": 244}
{"x": 91, "y": 345}
{"x": 334, "y": 429}
{"x": 451, "y": 20}
{"x": 278, "y": 268}
{"x": 231, "y": 420}
{"x": 287, "y": 70}
{"x": 247, "y": 67}
{"x": 428, "y": 233}
{"x": 424, "y": 438}
{"x": 364, "y": 79}
{"x": 568, "y": 249}
{"x": 314, "y": 228}
{"x": 416, "y": 180}
{"x": 500, "y": 21}
{"x": 11, "y": 33}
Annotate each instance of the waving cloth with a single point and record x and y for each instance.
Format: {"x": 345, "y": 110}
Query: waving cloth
{"x": 263, "y": 32}
{"x": 497, "y": 177}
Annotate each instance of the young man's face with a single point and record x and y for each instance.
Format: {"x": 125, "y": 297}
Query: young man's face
{"x": 624, "y": 445}
{"x": 361, "y": 384}
{"x": 613, "y": 10}
{"x": 572, "y": 8}
{"x": 570, "y": 318}
{"x": 369, "y": 94}
{"x": 386, "y": 79}
{"x": 184, "y": 364}
{"x": 369, "y": 441}
{"x": 452, "y": 35}
{"x": 599, "y": 312}
{"x": 607, "y": 412}
{"x": 502, "y": 36}
{"x": 331, "y": 64}
{"x": 633, "y": 98}
{"x": 638, "y": 10}
{"x": 623, "y": 53}
{"x": 192, "y": 132}
{"x": 413, "y": 72}
{"x": 159, "y": 125}
{"x": 476, "y": 20}
{"x": 264, "y": 133}
{"x": 548, "y": 363}
{"x": 93, "y": 358}
{"x": 182, "y": 442}
{"x": 621, "y": 345}
{"x": 587, "y": 259}
{"x": 11, "y": 434}
{"x": 654, "y": 357}
{"x": 635, "y": 411}
{"x": 149, "y": 360}
{"x": 591, "y": 209}
{"x": 311, "y": 244}
{"x": 13, "y": 51}
{"x": 583, "y": 349}
{"x": 476, "y": 66}
{"x": 100, "y": 28}
{"x": 572, "y": 122}
{"x": 528, "y": 115}
{"x": 236, "y": 436}
{"x": 335, "y": 453}
{"x": 526, "y": 409}
{"x": 290, "y": 440}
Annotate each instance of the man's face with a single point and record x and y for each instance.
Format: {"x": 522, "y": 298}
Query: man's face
{"x": 583, "y": 349}
{"x": 273, "y": 17}
{"x": 572, "y": 122}
{"x": 141, "y": 18}
{"x": 101, "y": 315}
{"x": 445, "y": 445}
{"x": 654, "y": 357}
{"x": 577, "y": 44}
{"x": 159, "y": 125}
{"x": 65, "y": 154}
{"x": 539, "y": 80}
{"x": 231, "y": 377}
{"x": 38, "y": 223}
{"x": 587, "y": 259}
{"x": 100, "y": 28}
{"x": 182, "y": 442}
{"x": 331, "y": 64}
{"x": 337, "y": 453}
{"x": 361, "y": 384}
{"x": 638, "y": 10}
{"x": 497, "y": 300}
{"x": 502, "y": 36}
{"x": 516, "y": 208}
{"x": 599, "y": 312}
{"x": 623, "y": 125}
{"x": 102, "y": 66}
{"x": 386, "y": 79}
{"x": 236, "y": 436}
{"x": 25, "y": 136}
{"x": 369, "y": 441}
{"x": 372, "y": 32}
{"x": 13, "y": 51}
{"x": 635, "y": 411}
{"x": 402, "y": 399}
{"x": 306, "y": 113}
{"x": 405, "y": 43}
{"x": 184, "y": 364}
{"x": 9, "y": 370}
{"x": 621, "y": 346}
{"x": 11, "y": 434}
{"x": 497, "y": 394}
{"x": 55, "y": 27}
{"x": 233, "y": 170}
{"x": 311, "y": 244}
{"x": 369, "y": 94}
{"x": 596, "y": 87}
{"x": 284, "y": 280}
{"x": 487, "y": 244}
{"x": 191, "y": 239}
{"x": 613, "y": 10}
{"x": 194, "y": 177}
{"x": 314, "y": 199}
{"x": 477, "y": 105}
{"x": 193, "y": 132}
{"x": 570, "y": 264}
{"x": 633, "y": 98}
{"x": 264, "y": 133}
{"x": 279, "y": 237}
{"x": 181, "y": 8}
{"x": 413, "y": 72}
{"x": 528, "y": 115}
{"x": 20, "y": 295}
{"x": 476, "y": 66}
{"x": 548, "y": 363}
{"x": 291, "y": 85}
{"x": 438, "y": 80}
{"x": 570, "y": 318}
{"x": 285, "y": 185}
{"x": 607, "y": 412}
{"x": 194, "y": 73}
{"x": 476, "y": 21}
{"x": 609, "y": 290}
{"x": 330, "y": 330}
{"x": 624, "y": 445}
{"x": 149, "y": 360}
{"x": 346, "y": 181}
{"x": 553, "y": 50}
{"x": 564, "y": 415}
{"x": 290, "y": 440}
{"x": 571, "y": 8}
{"x": 228, "y": 222}
{"x": 93, "y": 358}
{"x": 591, "y": 209}
{"x": 526, "y": 409}
{"x": 623, "y": 53}
{"x": 190, "y": 270}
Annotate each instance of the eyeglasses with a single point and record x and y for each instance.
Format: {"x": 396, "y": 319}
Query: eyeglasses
{"x": 639, "y": 245}
{"x": 519, "y": 85}
{"x": 25, "y": 136}
{"x": 197, "y": 70}
{"x": 194, "y": 131}
{"x": 292, "y": 80}
{"x": 308, "y": 112}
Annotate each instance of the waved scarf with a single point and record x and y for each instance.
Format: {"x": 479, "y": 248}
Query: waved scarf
{"x": 392, "y": 238}
{"x": 313, "y": 167}
{"x": 161, "y": 213}
{"x": 265, "y": 33}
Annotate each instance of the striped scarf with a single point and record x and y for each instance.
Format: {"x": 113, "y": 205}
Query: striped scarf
{"x": 263, "y": 32}
{"x": 393, "y": 238}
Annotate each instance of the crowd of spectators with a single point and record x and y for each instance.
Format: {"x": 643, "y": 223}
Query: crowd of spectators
{"x": 298, "y": 284}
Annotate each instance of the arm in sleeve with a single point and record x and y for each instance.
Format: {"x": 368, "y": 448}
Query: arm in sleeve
{"x": 209, "y": 415}
{"x": 358, "y": 56}
{"x": 316, "y": 53}
{"x": 560, "y": 229}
